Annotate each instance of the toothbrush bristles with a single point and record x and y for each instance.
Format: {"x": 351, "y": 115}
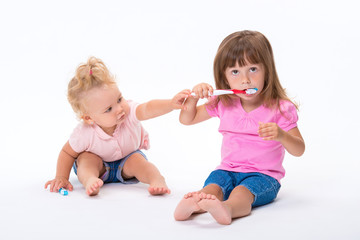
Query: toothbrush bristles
{"x": 251, "y": 90}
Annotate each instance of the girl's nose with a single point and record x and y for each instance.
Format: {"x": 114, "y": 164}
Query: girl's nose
{"x": 119, "y": 108}
{"x": 245, "y": 80}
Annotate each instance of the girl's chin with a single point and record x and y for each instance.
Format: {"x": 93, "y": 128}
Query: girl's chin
{"x": 120, "y": 121}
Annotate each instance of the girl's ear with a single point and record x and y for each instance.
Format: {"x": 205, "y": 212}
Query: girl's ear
{"x": 87, "y": 119}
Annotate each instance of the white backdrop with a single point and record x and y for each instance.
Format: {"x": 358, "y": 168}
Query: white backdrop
{"x": 155, "y": 49}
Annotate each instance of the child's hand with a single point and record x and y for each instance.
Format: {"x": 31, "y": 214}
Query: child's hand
{"x": 178, "y": 100}
{"x": 270, "y": 131}
{"x": 203, "y": 90}
{"x": 57, "y": 183}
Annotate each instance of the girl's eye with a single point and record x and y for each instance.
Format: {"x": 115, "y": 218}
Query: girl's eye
{"x": 253, "y": 69}
{"x": 109, "y": 109}
{"x": 119, "y": 100}
{"x": 235, "y": 72}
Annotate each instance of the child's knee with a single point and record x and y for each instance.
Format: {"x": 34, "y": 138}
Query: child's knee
{"x": 88, "y": 158}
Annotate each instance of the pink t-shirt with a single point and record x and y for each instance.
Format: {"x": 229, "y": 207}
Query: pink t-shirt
{"x": 127, "y": 138}
{"x": 242, "y": 149}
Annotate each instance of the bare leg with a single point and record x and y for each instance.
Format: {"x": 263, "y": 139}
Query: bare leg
{"x": 88, "y": 171}
{"x": 146, "y": 172}
{"x": 189, "y": 204}
{"x": 237, "y": 205}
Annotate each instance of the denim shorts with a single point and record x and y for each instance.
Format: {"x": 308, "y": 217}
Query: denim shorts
{"x": 113, "y": 170}
{"x": 264, "y": 187}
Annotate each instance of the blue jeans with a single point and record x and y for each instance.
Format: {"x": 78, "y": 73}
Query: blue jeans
{"x": 114, "y": 169}
{"x": 264, "y": 187}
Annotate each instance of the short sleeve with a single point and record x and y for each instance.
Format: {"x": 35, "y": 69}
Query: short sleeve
{"x": 132, "y": 115}
{"x": 288, "y": 116}
{"x": 212, "y": 108}
{"x": 80, "y": 139}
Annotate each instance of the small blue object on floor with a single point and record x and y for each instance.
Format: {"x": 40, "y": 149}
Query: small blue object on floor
{"x": 63, "y": 192}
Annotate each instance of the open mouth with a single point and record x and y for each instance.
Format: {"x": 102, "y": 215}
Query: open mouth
{"x": 250, "y": 91}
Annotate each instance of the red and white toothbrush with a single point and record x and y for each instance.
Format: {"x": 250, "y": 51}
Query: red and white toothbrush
{"x": 218, "y": 92}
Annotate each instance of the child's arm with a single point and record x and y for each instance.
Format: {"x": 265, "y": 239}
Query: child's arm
{"x": 291, "y": 140}
{"x": 191, "y": 114}
{"x": 65, "y": 162}
{"x": 155, "y": 108}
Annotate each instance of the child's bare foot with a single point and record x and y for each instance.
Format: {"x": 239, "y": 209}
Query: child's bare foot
{"x": 158, "y": 190}
{"x": 93, "y": 186}
{"x": 158, "y": 187}
{"x": 215, "y": 207}
{"x": 187, "y": 206}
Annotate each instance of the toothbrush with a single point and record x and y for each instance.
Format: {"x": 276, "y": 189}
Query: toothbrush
{"x": 218, "y": 92}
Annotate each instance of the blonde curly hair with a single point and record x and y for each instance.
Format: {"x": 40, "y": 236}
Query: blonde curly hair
{"x": 88, "y": 75}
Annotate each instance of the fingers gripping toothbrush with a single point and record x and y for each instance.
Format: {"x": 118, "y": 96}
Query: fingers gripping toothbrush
{"x": 218, "y": 92}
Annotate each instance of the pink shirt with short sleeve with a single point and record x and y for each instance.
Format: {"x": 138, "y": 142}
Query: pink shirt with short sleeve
{"x": 127, "y": 138}
{"x": 243, "y": 150}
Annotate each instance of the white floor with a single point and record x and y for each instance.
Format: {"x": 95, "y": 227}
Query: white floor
{"x": 305, "y": 209}
{"x": 155, "y": 49}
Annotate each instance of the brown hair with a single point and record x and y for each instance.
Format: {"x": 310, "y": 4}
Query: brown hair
{"x": 88, "y": 75}
{"x": 253, "y": 47}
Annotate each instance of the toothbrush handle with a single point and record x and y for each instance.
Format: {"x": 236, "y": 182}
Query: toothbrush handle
{"x": 217, "y": 92}
{"x": 222, "y": 92}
